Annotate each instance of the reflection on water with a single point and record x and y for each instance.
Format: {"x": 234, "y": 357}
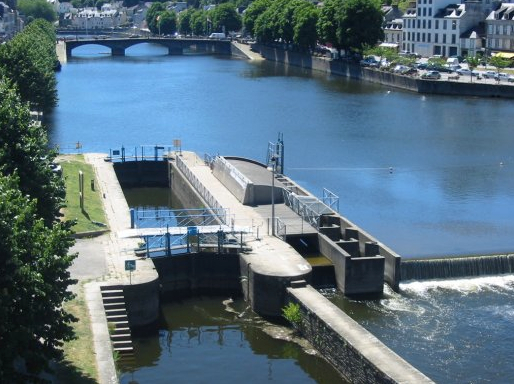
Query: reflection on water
{"x": 214, "y": 340}
{"x": 454, "y": 331}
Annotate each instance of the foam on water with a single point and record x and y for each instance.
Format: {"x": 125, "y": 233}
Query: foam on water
{"x": 502, "y": 283}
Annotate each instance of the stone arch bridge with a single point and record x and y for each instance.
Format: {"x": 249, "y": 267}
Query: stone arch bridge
{"x": 175, "y": 46}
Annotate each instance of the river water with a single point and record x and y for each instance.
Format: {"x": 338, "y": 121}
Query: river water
{"x": 449, "y": 192}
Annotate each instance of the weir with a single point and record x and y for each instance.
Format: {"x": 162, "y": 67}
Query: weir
{"x": 452, "y": 267}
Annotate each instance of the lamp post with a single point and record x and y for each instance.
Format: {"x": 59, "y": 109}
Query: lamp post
{"x": 273, "y": 170}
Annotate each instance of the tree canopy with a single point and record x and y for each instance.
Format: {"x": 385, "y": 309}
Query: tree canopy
{"x": 360, "y": 24}
{"x": 254, "y": 10}
{"x": 152, "y": 14}
{"x": 29, "y": 61}
{"x": 34, "y": 243}
{"x": 225, "y": 18}
{"x": 37, "y": 9}
{"x": 167, "y": 22}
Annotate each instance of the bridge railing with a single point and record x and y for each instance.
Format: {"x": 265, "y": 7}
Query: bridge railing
{"x": 140, "y": 153}
{"x": 241, "y": 179}
{"x": 199, "y": 187}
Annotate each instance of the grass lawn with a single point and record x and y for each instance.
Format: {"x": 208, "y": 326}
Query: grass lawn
{"x": 79, "y": 363}
{"x": 93, "y": 214}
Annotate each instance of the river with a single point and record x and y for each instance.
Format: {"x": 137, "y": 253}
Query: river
{"x": 449, "y": 191}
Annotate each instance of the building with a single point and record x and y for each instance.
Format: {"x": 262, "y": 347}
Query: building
{"x": 500, "y": 29}
{"x": 434, "y": 27}
{"x": 8, "y": 22}
{"x": 393, "y": 34}
{"x": 91, "y": 18}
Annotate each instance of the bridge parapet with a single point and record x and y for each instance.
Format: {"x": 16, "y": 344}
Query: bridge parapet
{"x": 175, "y": 46}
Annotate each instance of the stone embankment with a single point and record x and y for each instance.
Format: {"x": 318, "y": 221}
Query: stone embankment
{"x": 409, "y": 83}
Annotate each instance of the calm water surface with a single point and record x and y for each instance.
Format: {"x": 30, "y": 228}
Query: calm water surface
{"x": 450, "y": 191}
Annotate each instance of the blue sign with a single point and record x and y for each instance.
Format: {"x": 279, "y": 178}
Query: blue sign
{"x": 130, "y": 265}
{"x": 192, "y": 231}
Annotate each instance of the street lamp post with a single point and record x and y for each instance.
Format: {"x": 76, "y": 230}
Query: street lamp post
{"x": 273, "y": 170}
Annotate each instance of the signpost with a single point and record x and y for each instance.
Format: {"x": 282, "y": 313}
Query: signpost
{"x": 130, "y": 265}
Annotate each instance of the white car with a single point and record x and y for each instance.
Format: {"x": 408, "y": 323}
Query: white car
{"x": 401, "y": 69}
{"x": 489, "y": 74}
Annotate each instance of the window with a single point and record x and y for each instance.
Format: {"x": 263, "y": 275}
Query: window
{"x": 454, "y": 25}
{"x": 418, "y": 37}
{"x": 429, "y": 24}
{"x": 423, "y": 37}
{"x": 444, "y": 24}
{"x": 453, "y": 39}
{"x": 430, "y": 10}
{"x": 444, "y": 39}
{"x": 428, "y": 37}
{"x": 419, "y": 23}
{"x": 437, "y": 24}
{"x": 424, "y": 11}
{"x": 404, "y": 36}
{"x": 424, "y": 24}
{"x": 505, "y": 30}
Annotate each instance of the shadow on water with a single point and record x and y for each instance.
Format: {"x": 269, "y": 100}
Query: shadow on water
{"x": 218, "y": 339}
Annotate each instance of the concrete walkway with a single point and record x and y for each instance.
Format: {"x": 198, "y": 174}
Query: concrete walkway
{"x": 245, "y": 48}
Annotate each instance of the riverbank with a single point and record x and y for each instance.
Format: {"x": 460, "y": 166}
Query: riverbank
{"x": 352, "y": 70}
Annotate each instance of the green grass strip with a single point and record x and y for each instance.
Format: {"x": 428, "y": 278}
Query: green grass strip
{"x": 93, "y": 216}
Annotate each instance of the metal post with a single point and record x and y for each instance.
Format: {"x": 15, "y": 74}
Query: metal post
{"x": 273, "y": 161}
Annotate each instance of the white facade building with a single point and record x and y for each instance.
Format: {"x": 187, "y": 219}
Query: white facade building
{"x": 91, "y": 18}
{"x": 500, "y": 29}
{"x": 434, "y": 27}
{"x": 393, "y": 34}
{"x": 8, "y": 22}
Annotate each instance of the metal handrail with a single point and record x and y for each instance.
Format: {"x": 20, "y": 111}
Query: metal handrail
{"x": 234, "y": 172}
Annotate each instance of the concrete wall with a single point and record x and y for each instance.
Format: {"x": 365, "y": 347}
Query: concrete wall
{"x": 368, "y": 245}
{"x": 354, "y": 70}
{"x": 358, "y": 355}
{"x": 354, "y": 275}
{"x": 142, "y": 303}
{"x": 197, "y": 273}
{"x": 142, "y": 173}
{"x": 233, "y": 180}
{"x": 183, "y": 190}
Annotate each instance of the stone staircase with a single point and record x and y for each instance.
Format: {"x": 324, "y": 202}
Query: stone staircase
{"x": 116, "y": 314}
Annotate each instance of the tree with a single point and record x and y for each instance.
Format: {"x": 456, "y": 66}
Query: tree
{"x": 34, "y": 282}
{"x": 184, "y": 21}
{"x": 499, "y": 63}
{"x": 225, "y": 18}
{"x": 473, "y": 62}
{"x": 37, "y": 9}
{"x": 305, "y": 18}
{"x": 199, "y": 22}
{"x": 251, "y": 14}
{"x": 329, "y": 23}
{"x": 360, "y": 24}
{"x": 167, "y": 22}
{"x": 152, "y": 14}
{"x": 29, "y": 61}
{"x": 24, "y": 151}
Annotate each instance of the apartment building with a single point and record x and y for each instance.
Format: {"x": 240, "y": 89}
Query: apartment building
{"x": 500, "y": 29}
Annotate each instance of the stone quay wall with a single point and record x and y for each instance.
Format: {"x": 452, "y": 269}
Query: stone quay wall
{"x": 409, "y": 83}
{"x": 358, "y": 355}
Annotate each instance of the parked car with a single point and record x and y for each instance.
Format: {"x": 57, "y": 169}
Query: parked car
{"x": 369, "y": 62}
{"x": 502, "y": 77}
{"x": 433, "y": 75}
{"x": 466, "y": 72}
{"x": 401, "y": 69}
{"x": 488, "y": 74}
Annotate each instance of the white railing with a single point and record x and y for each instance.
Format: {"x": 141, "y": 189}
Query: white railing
{"x": 234, "y": 172}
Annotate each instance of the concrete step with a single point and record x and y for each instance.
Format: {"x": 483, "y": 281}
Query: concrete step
{"x": 111, "y": 287}
{"x": 112, "y": 318}
{"x": 122, "y": 337}
{"x": 120, "y": 324}
{"x": 121, "y": 344}
{"x": 114, "y": 312}
{"x": 121, "y": 331}
{"x": 113, "y": 299}
{"x": 112, "y": 292}
{"x": 124, "y": 350}
{"x": 116, "y": 305}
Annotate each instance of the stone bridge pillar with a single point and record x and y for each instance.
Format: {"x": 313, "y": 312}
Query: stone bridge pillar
{"x": 118, "y": 51}
{"x": 174, "y": 50}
